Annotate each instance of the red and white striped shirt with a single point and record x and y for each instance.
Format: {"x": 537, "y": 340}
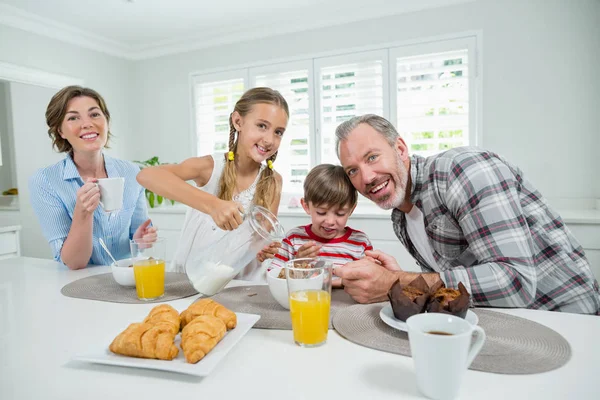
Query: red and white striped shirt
{"x": 349, "y": 247}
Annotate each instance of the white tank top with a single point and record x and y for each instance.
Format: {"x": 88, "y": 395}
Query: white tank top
{"x": 199, "y": 229}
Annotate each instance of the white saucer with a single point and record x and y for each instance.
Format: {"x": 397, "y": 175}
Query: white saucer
{"x": 387, "y": 315}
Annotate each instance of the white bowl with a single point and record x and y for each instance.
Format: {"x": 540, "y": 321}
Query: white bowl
{"x": 123, "y": 273}
{"x": 278, "y": 288}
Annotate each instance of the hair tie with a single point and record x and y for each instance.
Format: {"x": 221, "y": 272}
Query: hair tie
{"x": 230, "y": 156}
{"x": 270, "y": 164}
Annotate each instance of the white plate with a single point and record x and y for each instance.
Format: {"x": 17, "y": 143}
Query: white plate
{"x": 102, "y": 355}
{"x": 387, "y": 315}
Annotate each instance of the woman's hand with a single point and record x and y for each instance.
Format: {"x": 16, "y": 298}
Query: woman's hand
{"x": 146, "y": 233}
{"x": 227, "y": 214}
{"x": 268, "y": 252}
{"x": 88, "y": 197}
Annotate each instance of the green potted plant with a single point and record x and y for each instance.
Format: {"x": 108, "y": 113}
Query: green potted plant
{"x": 153, "y": 198}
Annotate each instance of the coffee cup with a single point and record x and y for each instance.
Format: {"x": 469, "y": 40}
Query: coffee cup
{"x": 111, "y": 193}
{"x": 443, "y": 347}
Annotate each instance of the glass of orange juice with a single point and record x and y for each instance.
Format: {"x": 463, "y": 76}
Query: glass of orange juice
{"x": 149, "y": 268}
{"x": 309, "y": 288}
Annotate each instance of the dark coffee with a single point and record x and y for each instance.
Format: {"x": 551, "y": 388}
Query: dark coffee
{"x": 439, "y": 333}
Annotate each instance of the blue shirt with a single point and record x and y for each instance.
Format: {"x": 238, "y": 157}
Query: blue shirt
{"x": 54, "y": 193}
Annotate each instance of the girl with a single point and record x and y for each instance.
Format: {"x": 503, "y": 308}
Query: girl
{"x": 229, "y": 183}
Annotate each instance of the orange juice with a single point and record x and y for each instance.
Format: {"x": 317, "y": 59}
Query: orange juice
{"x": 309, "y": 310}
{"x": 149, "y": 278}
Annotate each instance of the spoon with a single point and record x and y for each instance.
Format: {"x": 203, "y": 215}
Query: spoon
{"x": 106, "y": 249}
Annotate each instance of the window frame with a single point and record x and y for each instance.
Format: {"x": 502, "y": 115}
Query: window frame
{"x": 470, "y": 43}
{"x": 209, "y": 78}
{"x": 306, "y": 64}
{"x": 472, "y": 40}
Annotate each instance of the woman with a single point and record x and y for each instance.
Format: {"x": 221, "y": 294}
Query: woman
{"x": 65, "y": 195}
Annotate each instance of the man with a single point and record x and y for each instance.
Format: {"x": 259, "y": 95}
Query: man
{"x": 466, "y": 215}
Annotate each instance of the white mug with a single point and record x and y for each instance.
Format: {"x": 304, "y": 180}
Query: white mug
{"x": 111, "y": 193}
{"x": 442, "y": 347}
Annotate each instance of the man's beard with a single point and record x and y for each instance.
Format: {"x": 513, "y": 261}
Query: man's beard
{"x": 400, "y": 178}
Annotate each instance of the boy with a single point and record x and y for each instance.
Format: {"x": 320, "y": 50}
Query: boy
{"x": 329, "y": 199}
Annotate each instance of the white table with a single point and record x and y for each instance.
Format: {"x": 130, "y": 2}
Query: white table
{"x": 40, "y": 330}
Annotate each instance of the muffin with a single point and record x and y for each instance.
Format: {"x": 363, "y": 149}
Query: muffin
{"x": 409, "y": 300}
{"x": 450, "y": 301}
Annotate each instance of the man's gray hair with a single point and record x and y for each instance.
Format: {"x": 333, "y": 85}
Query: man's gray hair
{"x": 376, "y": 122}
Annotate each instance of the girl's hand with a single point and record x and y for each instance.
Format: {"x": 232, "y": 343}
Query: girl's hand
{"x": 146, "y": 233}
{"x": 227, "y": 214}
{"x": 308, "y": 249}
{"x": 268, "y": 252}
{"x": 88, "y": 196}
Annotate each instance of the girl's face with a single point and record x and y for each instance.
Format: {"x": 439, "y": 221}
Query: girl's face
{"x": 84, "y": 126}
{"x": 260, "y": 131}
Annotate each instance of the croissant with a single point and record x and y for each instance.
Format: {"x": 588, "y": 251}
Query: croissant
{"x": 200, "y": 335}
{"x": 209, "y": 307}
{"x": 165, "y": 315}
{"x": 146, "y": 341}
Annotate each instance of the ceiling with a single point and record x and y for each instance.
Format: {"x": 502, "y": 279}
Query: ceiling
{"x": 138, "y": 29}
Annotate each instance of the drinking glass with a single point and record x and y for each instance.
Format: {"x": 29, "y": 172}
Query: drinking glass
{"x": 309, "y": 290}
{"x": 149, "y": 268}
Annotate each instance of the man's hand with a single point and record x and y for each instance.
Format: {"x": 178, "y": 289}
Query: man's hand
{"x": 383, "y": 259}
{"x": 368, "y": 280}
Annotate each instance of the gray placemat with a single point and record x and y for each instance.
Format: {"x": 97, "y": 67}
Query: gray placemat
{"x": 103, "y": 287}
{"x": 258, "y": 300}
{"x": 514, "y": 345}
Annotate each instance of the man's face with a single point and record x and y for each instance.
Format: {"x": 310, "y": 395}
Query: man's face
{"x": 377, "y": 170}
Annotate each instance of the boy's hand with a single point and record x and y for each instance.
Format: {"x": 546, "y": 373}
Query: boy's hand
{"x": 268, "y": 252}
{"x": 308, "y": 249}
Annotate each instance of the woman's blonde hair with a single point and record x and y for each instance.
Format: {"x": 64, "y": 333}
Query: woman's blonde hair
{"x": 57, "y": 109}
{"x": 267, "y": 185}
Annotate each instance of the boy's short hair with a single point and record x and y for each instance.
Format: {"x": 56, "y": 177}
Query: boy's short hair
{"x": 328, "y": 184}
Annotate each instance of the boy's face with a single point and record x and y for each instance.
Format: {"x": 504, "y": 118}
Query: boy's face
{"x": 328, "y": 222}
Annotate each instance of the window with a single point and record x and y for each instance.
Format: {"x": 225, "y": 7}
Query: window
{"x": 213, "y": 102}
{"x": 433, "y": 87}
{"x": 348, "y": 86}
{"x": 426, "y": 90}
{"x": 294, "y": 155}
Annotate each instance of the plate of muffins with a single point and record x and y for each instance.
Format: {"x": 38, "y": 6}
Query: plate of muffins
{"x": 418, "y": 297}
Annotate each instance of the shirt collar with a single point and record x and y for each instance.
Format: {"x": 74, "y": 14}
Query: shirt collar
{"x": 71, "y": 172}
{"x": 417, "y": 176}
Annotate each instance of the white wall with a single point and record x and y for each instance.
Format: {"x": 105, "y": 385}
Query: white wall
{"x": 28, "y": 105}
{"x": 32, "y": 147}
{"x": 541, "y": 92}
{"x": 110, "y": 76}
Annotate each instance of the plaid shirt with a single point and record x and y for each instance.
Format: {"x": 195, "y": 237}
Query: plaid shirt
{"x": 492, "y": 230}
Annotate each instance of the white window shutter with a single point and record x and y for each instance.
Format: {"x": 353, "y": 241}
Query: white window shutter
{"x": 432, "y": 97}
{"x": 214, "y": 102}
{"x": 346, "y": 91}
{"x": 293, "y": 159}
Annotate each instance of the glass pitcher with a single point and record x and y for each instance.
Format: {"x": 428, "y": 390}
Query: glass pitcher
{"x": 218, "y": 263}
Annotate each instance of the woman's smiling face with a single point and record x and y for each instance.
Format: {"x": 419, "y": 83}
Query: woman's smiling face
{"x": 85, "y": 125}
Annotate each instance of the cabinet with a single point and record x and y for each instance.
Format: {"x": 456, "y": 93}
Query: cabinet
{"x": 10, "y": 241}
